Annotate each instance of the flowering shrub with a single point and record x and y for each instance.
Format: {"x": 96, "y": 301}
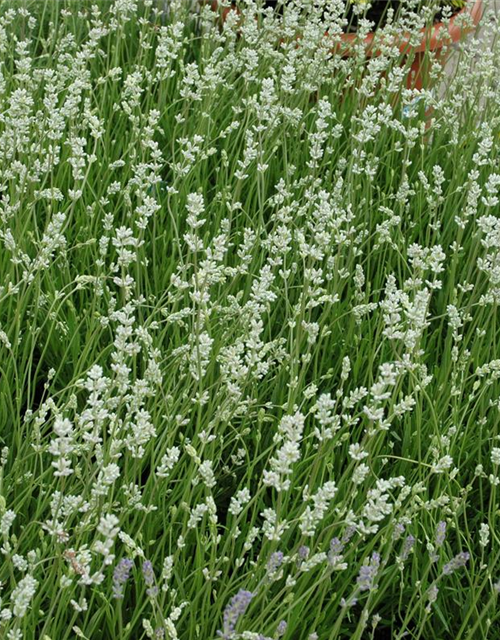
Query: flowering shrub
{"x": 249, "y": 336}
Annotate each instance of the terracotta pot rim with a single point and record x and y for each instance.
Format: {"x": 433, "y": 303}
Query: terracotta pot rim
{"x": 432, "y": 38}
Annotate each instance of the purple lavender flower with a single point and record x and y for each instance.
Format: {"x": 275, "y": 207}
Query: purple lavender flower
{"x": 439, "y": 540}
{"x": 440, "y": 533}
{"x": 275, "y": 561}
{"x": 335, "y": 553}
{"x": 348, "y": 534}
{"x": 368, "y": 572}
{"x": 398, "y": 531}
{"x": 120, "y": 576}
{"x": 407, "y": 547}
{"x": 350, "y": 602}
{"x": 303, "y": 552}
{"x": 233, "y": 611}
{"x": 281, "y": 630}
{"x": 459, "y": 561}
{"x": 149, "y": 578}
{"x": 302, "y": 555}
{"x": 336, "y": 547}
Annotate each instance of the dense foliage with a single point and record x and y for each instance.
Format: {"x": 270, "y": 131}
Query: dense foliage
{"x": 249, "y": 330}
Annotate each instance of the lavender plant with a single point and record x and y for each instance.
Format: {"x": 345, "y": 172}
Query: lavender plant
{"x": 249, "y": 336}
